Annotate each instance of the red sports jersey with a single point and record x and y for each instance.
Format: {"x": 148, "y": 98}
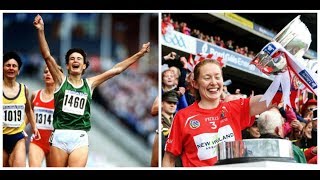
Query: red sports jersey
{"x": 43, "y": 111}
{"x": 195, "y": 132}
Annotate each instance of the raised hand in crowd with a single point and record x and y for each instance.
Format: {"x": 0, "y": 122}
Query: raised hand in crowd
{"x": 170, "y": 56}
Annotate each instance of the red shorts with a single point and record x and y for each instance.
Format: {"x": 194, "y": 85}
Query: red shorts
{"x": 43, "y": 143}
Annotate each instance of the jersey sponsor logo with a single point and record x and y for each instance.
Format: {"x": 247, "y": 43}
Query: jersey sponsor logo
{"x": 223, "y": 115}
{"x": 216, "y": 139}
{"x": 194, "y": 124}
{"x": 214, "y": 118}
{"x": 222, "y": 138}
{"x": 206, "y": 143}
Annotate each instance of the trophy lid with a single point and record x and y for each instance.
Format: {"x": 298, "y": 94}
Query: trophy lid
{"x": 295, "y": 37}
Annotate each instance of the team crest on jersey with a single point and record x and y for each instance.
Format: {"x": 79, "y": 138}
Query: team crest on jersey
{"x": 194, "y": 124}
{"x": 223, "y": 112}
{"x": 222, "y": 116}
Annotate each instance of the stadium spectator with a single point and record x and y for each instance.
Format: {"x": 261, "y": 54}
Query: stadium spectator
{"x": 270, "y": 126}
{"x": 251, "y": 132}
{"x": 311, "y": 155}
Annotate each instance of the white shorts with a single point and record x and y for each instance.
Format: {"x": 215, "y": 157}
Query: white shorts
{"x": 69, "y": 140}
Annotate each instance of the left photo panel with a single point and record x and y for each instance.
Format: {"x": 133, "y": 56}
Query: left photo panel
{"x": 80, "y": 89}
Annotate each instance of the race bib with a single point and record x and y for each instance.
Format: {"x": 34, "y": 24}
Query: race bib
{"x": 44, "y": 117}
{"x": 13, "y": 115}
{"x": 74, "y": 102}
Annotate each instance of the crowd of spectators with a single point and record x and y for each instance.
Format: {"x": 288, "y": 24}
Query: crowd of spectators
{"x": 168, "y": 23}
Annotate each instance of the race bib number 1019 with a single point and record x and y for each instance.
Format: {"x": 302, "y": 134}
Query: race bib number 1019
{"x": 13, "y": 115}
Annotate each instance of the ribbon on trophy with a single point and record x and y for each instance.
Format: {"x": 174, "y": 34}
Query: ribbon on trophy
{"x": 283, "y": 79}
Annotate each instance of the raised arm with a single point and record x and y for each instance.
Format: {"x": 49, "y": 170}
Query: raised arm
{"x": 257, "y": 107}
{"x": 53, "y": 67}
{"x": 155, "y": 107}
{"x": 119, "y": 68}
{"x": 155, "y": 151}
{"x": 30, "y": 116}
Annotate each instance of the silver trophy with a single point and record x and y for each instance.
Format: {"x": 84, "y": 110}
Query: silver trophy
{"x": 254, "y": 150}
{"x": 295, "y": 38}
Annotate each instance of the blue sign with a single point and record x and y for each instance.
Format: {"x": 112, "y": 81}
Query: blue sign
{"x": 263, "y": 30}
{"x": 306, "y": 76}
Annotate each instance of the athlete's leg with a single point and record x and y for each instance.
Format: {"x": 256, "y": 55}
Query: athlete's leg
{"x": 58, "y": 157}
{"x": 5, "y": 158}
{"x": 78, "y": 157}
{"x": 48, "y": 160}
{"x": 36, "y": 155}
{"x": 18, "y": 155}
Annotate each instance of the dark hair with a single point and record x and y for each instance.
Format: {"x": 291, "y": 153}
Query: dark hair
{"x": 80, "y": 51}
{"x": 196, "y": 73}
{"x": 12, "y": 55}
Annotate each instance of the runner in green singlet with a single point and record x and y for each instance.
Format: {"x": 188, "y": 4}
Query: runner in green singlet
{"x": 73, "y": 96}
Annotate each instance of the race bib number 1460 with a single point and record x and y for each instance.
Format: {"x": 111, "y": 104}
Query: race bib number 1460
{"x": 74, "y": 102}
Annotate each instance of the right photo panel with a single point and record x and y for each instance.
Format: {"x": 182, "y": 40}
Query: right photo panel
{"x": 239, "y": 90}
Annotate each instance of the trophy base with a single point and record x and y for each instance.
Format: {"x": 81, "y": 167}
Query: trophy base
{"x": 255, "y": 159}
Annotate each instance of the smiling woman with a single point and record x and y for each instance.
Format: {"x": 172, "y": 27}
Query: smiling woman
{"x": 197, "y": 128}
